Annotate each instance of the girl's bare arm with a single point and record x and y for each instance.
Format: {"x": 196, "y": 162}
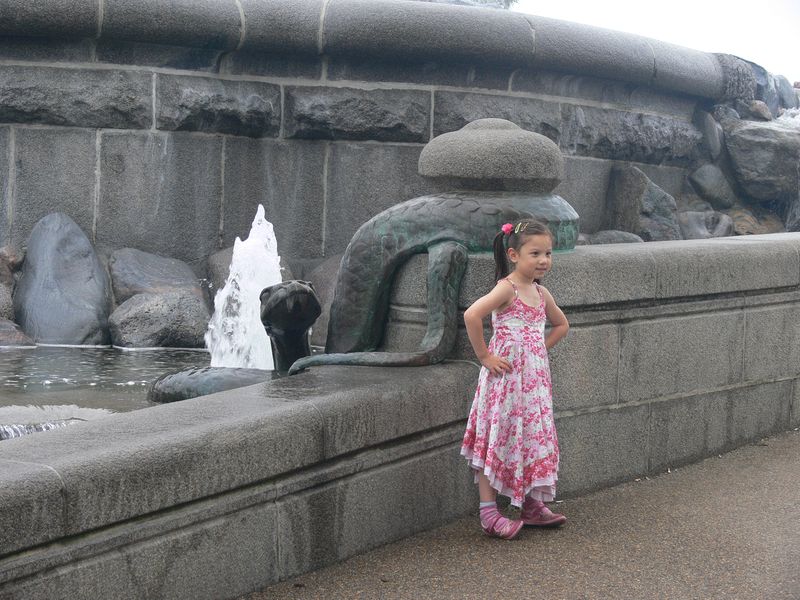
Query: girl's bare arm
{"x": 559, "y": 326}
{"x": 501, "y": 295}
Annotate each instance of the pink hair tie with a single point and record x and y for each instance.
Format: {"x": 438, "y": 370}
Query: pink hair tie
{"x": 507, "y": 228}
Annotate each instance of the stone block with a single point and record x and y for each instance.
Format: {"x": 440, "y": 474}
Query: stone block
{"x": 584, "y": 368}
{"x": 412, "y": 403}
{"x": 574, "y": 47}
{"x": 158, "y": 55}
{"x": 351, "y": 515}
{"x": 686, "y": 70}
{"x": 363, "y": 180}
{"x": 628, "y": 136}
{"x": 678, "y": 355}
{"x": 245, "y": 108}
{"x": 453, "y": 110}
{"x": 55, "y": 172}
{"x": 599, "y": 449}
{"x": 772, "y": 342}
{"x": 286, "y": 176}
{"x": 200, "y": 23}
{"x": 170, "y": 450}
{"x": 355, "y": 114}
{"x": 31, "y": 503}
{"x": 46, "y": 50}
{"x": 160, "y": 192}
{"x": 250, "y": 62}
{"x": 669, "y": 179}
{"x": 291, "y": 26}
{"x": 584, "y": 187}
{"x": 395, "y": 28}
{"x": 76, "y": 97}
{"x": 688, "y": 429}
{"x": 758, "y": 264}
{"x": 795, "y": 414}
{"x": 425, "y": 72}
{"x": 78, "y": 18}
{"x": 617, "y": 93}
{"x": 760, "y": 410}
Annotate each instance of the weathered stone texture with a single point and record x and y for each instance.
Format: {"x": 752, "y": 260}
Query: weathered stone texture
{"x": 136, "y": 272}
{"x": 422, "y": 71}
{"x": 711, "y": 185}
{"x": 63, "y": 295}
{"x": 772, "y": 343}
{"x": 45, "y": 49}
{"x": 363, "y": 180}
{"x": 55, "y": 171}
{"x": 200, "y": 23}
{"x": 160, "y": 192}
{"x": 279, "y": 26}
{"x": 697, "y": 225}
{"x": 11, "y": 334}
{"x": 176, "y": 319}
{"x": 5, "y": 186}
{"x": 250, "y": 62}
{"x": 287, "y": 178}
{"x": 353, "y": 114}
{"x": 76, "y": 97}
{"x": 636, "y": 204}
{"x": 157, "y": 55}
{"x": 751, "y": 420}
{"x": 6, "y": 304}
{"x": 453, "y": 110}
{"x": 53, "y": 18}
{"x": 217, "y": 106}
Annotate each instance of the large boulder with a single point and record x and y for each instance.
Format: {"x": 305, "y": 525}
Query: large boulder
{"x": 170, "y": 319}
{"x": 764, "y": 157}
{"x": 136, "y": 272}
{"x": 710, "y": 184}
{"x": 696, "y": 225}
{"x": 63, "y": 295}
{"x": 637, "y": 205}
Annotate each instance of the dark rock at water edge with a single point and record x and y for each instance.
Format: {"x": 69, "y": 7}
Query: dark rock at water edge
{"x": 636, "y": 204}
{"x": 12, "y": 335}
{"x": 698, "y": 225}
{"x": 170, "y": 320}
{"x": 136, "y": 272}
{"x": 201, "y": 381}
{"x": 63, "y": 295}
{"x": 711, "y": 184}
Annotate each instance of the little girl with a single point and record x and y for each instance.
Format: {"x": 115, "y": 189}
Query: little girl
{"x": 510, "y": 440}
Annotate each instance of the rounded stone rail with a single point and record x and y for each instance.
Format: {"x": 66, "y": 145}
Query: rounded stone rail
{"x": 396, "y": 29}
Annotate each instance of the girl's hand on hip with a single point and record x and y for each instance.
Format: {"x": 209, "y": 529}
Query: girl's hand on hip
{"x": 496, "y": 365}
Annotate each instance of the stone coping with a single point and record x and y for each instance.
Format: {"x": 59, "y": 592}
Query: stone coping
{"x": 393, "y": 29}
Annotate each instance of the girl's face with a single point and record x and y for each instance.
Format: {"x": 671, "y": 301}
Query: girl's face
{"x": 534, "y": 258}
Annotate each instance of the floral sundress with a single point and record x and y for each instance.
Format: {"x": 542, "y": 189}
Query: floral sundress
{"x": 511, "y": 434}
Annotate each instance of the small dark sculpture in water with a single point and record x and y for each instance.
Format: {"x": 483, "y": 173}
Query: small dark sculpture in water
{"x": 288, "y": 310}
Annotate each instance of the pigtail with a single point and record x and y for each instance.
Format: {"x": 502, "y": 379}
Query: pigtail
{"x": 500, "y": 260}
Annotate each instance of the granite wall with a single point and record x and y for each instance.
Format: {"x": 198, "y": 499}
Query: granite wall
{"x": 161, "y": 125}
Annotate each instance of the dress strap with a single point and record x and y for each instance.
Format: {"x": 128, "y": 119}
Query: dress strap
{"x": 513, "y": 285}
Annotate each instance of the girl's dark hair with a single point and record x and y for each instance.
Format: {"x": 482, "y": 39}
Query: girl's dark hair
{"x": 520, "y": 231}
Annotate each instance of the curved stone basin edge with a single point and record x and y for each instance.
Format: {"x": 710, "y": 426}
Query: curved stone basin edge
{"x": 394, "y": 29}
{"x": 221, "y": 495}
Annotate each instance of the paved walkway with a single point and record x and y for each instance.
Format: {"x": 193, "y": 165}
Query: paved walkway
{"x": 728, "y": 527}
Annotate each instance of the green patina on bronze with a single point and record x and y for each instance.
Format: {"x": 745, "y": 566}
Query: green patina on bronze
{"x": 446, "y": 226}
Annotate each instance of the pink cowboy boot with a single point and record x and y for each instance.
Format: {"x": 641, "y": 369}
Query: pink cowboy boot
{"x": 536, "y": 514}
{"x": 497, "y": 525}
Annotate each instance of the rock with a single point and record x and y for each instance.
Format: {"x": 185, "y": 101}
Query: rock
{"x": 786, "y": 95}
{"x": 723, "y": 112}
{"x": 711, "y": 184}
{"x": 753, "y": 222}
{"x": 696, "y": 225}
{"x": 63, "y": 295}
{"x": 637, "y": 205}
{"x": 170, "y": 319}
{"x": 738, "y": 78}
{"x": 764, "y": 157}
{"x": 712, "y": 132}
{"x": 755, "y": 110}
{"x": 614, "y": 236}
{"x": 10, "y": 261}
{"x": 6, "y": 302}
{"x": 766, "y": 88}
{"x": 12, "y": 335}
{"x": 201, "y": 381}
{"x": 323, "y": 278}
{"x": 136, "y": 272}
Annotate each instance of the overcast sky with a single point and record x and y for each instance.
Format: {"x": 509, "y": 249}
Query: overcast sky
{"x": 765, "y": 32}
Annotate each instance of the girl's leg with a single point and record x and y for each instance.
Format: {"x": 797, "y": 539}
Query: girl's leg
{"x": 486, "y": 491}
{"x": 492, "y": 521}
